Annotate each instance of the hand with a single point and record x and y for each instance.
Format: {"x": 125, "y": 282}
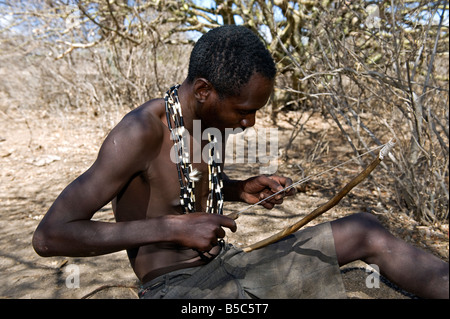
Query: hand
{"x": 199, "y": 231}
{"x": 257, "y": 188}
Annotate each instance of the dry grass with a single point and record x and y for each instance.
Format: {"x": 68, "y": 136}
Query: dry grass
{"x": 40, "y": 153}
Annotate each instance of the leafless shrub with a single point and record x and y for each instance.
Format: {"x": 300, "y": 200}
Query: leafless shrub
{"x": 377, "y": 71}
{"x": 384, "y": 81}
{"x": 58, "y": 58}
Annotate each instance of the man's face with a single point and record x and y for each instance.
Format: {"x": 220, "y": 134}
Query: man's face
{"x": 238, "y": 111}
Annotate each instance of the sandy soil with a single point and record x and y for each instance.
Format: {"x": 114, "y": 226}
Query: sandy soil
{"x": 42, "y": 151}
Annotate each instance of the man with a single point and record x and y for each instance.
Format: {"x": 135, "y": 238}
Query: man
{"x": 160, "y": 196}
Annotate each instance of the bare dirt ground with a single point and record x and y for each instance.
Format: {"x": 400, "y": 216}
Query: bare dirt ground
{"x": 42, "y": 151}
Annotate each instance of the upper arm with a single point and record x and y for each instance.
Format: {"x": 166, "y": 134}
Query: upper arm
{"x": 126, "y": 152}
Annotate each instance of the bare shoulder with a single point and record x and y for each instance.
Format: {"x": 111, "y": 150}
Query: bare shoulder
{"x": 137, "y": 138}
{"x": 141, "y": 126}
{"x": 144, "y": 119}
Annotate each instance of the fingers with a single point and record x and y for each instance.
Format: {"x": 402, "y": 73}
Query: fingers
{"x": 274, "y": 185}
{"x": 271, "y": 182}
{"x": 265, "y": 194}
{"x": 217, "y": 231}
{"x": 284, "y": 182}
{"x": 200, "y": 230}
{"x": 227, "y": 222}
{"x": 277, "y": 184}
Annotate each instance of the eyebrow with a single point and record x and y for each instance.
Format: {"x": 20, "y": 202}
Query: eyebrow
{"x": 249, "y": 111}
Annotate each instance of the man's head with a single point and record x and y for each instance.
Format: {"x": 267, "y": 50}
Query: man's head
{"x": 227, "y": 57}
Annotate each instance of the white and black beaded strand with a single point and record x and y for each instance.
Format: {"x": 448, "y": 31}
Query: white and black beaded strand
{"x": 184, "y": 167}
{"x": 186, "y": 175}
{"x": 215, "y": 177}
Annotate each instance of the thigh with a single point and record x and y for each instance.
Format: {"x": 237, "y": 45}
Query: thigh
{"x": 303, "y": 265}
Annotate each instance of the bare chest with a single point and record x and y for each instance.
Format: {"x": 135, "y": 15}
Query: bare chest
{"x": 165, "y": 185}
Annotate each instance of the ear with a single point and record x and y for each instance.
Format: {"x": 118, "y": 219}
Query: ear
{"x": 203, "y": 89}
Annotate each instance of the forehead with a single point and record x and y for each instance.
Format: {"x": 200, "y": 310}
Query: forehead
{"x": 254, "y": 94}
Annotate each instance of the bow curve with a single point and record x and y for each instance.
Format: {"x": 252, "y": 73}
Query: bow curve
{"x": 328, "y": 205}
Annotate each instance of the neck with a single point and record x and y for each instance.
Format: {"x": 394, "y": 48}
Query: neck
{"x": 188, "y": 104}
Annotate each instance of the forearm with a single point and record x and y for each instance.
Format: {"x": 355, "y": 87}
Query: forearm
{"x": 90, "y": 238}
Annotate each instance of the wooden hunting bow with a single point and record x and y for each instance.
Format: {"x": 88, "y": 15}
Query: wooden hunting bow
{"x": 328, "y": 205}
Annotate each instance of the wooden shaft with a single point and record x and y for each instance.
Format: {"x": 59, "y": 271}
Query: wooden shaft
{"x": 318, "y": 211}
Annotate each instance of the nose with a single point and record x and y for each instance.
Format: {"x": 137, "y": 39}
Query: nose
{"x": 248, "y": 121}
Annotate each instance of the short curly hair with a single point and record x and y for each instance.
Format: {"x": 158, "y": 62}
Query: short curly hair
{"x": 228, "y": 56}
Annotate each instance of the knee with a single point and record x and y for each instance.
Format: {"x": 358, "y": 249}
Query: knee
{"x": 360, "y": 224}
{"x": 375, "y": 237}
{"x": 358, "y": 236}
{"x": 366, "y": 221}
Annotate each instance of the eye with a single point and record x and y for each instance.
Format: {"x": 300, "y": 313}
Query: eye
{"x": 247, "y": 112}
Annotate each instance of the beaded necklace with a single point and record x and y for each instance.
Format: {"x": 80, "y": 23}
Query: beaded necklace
{"x": 187, "y": 176}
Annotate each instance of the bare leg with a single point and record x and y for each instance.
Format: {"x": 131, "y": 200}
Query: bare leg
{"x": 362, "y": 237}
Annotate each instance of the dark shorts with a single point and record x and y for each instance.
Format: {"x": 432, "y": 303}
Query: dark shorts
{"x": 303, "y": 265}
